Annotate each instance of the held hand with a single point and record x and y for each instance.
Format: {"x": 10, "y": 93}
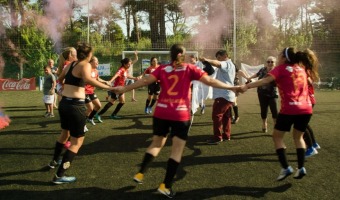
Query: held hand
{"x": 244, "y": 88}
{"x": 202, "y": 59}
{"x": 118, "y": 89}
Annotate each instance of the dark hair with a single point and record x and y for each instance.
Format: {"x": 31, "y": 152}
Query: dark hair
{"x": 177, "y": 54}
{"x": 125, "y": 61}
{"x": 290, "y": 54}
{"x": 151, "y": 59}
{"x": 221, "y": 53}
{"x": 83, "y": 51}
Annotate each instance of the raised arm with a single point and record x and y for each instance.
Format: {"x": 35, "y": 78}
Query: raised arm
{"x": 140, "y": 83}
{"x": 136, "y": 57}
{"x": 215, "y": 63}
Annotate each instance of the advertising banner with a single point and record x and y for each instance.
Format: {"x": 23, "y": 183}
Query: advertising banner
{"x": 17, "y": 85}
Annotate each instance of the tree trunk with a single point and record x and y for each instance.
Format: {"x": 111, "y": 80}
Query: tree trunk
{"x": 135, "y": 25}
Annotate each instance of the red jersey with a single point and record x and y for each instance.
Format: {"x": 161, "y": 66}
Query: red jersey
{"x": 150, "y": 69}
{"x": 293, "y": 88}
{"x": 174, "y": 100}
{"x": 89, "y": 89}
{"x": 122, "y": 75}
{"x": 311, "y": 93}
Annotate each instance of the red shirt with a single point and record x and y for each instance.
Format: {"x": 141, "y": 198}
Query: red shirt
{"x": 89, "y": 89}
{"x": 122, "y": 75}
{"x": 150, "y": 69}
{"x": 311, "y": 93}
{"x": 174, "y": 100}
{"x": 293, "y": 88}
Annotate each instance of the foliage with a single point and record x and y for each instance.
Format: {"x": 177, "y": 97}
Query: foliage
{"x": 32, "y": 50}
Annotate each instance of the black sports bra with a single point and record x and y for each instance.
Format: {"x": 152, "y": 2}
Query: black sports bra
{"x": 72, "y": 80}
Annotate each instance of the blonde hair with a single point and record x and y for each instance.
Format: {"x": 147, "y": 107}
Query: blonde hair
{"x": 271, "y": 58}
{"x": 64, "y": 56}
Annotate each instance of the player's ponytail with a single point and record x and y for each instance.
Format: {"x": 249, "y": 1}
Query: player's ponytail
{"x": 177, "y": 52}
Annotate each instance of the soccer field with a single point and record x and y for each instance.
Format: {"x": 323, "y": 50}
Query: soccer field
{"x": 245, "y": 167}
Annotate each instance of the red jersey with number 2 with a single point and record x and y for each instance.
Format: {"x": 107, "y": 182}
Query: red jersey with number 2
{"x": 175, "y": 97}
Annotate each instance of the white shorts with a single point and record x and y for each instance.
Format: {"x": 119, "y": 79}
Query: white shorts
{"x": 48, "y": 99}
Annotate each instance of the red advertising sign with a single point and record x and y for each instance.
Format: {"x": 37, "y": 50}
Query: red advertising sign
{"x": 16, "y": 85}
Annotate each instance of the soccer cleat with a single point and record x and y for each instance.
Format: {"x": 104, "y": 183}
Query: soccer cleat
{"x": 138, "y": 178}
{"x": 311, "y": 151}
{"x": 51, "y": 115}
{"x": 146, "y": 110}
{"x": 300, "y": 173}
{"x": 63, "y": 179}
{"x": 214, "y": 141}
{"x": 166, "y": 191}
{"x": 53, "y": 164}
{"x": 285, "y": 173}
{"x": 99, "y": 119}
{"x": 91, "y": 121}
{"x": 115, "y": 117}
{"x": 149, "y": 110}
{"x": 203, "y": 109}
{"x": 316, "y": 146}
{"x": 235, "y": 120}
{"x": 46, "y": 114}
{"x": 85, "y": 129}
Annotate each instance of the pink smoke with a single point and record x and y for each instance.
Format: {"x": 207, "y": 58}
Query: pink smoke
{"x": 220, "y": 20}
{"x": 57, "y": 14}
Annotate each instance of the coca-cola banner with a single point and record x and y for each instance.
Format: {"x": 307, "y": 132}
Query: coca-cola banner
{"x": 16, "y": 85}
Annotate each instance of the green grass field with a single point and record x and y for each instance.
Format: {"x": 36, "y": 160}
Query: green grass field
{"x": 243, "y": 168}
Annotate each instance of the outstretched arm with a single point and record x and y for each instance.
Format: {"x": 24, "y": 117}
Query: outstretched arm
{"x": 215, "y": 63}
{"x": 258, "y": 83}
{"x": 140, "y": 83}
{"x": 218, "y": 84}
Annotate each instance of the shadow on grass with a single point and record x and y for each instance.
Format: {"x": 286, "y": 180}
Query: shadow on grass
{"x": 28, "y": 131}
{"x": 6, "y": 182}
{"x": 129, "y": 193}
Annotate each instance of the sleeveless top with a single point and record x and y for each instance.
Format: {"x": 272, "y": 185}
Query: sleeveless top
{"x": 72, "y": 80}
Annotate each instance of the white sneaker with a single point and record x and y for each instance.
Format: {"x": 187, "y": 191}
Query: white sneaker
{"x": 91, "y": 121}
{"x": 300, "y": 173}
{"x": 85, "y": 129}
{"x": 284, "y": 173}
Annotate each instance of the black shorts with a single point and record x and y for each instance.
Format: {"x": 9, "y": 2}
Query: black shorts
{"x": 72, "y": 116}
{"x": 115, "y": 96}
{"x": 90, "y": 97}
{"x": 154, "y": 89}
{"x": 162, "y": 127}
{"x": 285, "y": 122}
{"x": 129, "y": 81}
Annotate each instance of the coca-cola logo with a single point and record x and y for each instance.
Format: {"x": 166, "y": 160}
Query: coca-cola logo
{"x": 23, "y": 84}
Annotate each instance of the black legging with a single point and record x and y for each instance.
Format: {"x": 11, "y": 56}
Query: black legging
{"x": 266, "y": 101}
